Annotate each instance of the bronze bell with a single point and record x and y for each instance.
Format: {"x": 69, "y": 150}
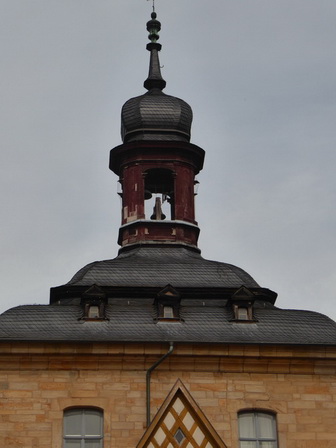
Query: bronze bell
{"x": 157, "y": 211}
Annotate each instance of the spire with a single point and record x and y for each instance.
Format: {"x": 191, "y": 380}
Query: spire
{"x": 154, "y": 79}
{"x": 155, "y": 115}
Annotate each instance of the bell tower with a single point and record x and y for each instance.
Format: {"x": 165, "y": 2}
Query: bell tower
{"x": 156, "y": 163}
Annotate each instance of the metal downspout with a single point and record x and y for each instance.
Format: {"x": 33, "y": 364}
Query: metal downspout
{"x": 148, "y": 378}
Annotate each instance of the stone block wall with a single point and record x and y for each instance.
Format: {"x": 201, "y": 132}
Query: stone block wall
{"x": 39, "y": 381}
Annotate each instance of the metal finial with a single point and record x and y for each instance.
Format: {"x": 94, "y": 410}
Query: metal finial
{"x": 153, "y": 26}
{"x": 154, "y": 79}
{"x": 153, "y": 5}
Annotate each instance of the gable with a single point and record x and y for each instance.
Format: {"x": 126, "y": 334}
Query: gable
{"x": 180, "y": 423}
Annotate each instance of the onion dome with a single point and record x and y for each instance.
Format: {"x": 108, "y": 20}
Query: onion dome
{"x": 155, "y": 115}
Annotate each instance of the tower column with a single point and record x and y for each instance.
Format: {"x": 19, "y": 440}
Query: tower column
{"x": 184, "y": 194}
{"x": 133, "y": 193}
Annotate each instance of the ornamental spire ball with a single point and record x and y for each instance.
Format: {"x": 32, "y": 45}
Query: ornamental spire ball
{"x": 155, "y": 115}
{"x": 153, "y": 27}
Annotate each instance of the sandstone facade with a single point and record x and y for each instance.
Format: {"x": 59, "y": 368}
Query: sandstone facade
{"x": 38, "y": 381}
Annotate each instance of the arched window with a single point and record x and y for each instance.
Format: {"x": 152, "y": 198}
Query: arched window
{"x": 257, "y": 429}
{"x": 83, "y": 428}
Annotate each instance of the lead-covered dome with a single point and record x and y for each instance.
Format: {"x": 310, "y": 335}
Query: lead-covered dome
{"x": 155, "y": 115}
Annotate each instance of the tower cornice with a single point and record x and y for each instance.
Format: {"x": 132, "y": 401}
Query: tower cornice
{"x": 156, "y": 151}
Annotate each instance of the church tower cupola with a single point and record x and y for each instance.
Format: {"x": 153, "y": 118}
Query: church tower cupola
{"x": 156, "y": 163}
{"x": 155, "y": 115}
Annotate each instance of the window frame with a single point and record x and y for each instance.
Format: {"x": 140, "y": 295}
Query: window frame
{"x": 83, "y": 437}
{"x": 242, "y": 313}
{"x": 167, "y": 304}
{"x": 168, "y": 312}
{"x": 259, "y": 439}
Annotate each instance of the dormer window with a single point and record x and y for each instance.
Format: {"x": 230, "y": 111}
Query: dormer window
{"x": 168, "y": 304}
{"x": 94, "y": 303}
{"x": 241, "y": 304}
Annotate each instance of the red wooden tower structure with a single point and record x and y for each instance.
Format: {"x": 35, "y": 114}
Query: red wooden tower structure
{"x": 156, "y": 163}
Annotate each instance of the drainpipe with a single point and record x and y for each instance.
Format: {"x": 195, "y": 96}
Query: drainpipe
{"x": 148, "y": 378}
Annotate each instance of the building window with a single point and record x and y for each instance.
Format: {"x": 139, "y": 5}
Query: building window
{"x": 257, "y": 430}
{"x": 94, "y": 311}
{"x": 168, "y": 312}
{"x": 168, "y": 304}
{"x": 242, "y": 313}
{"x": 83, "y": 428}
{"x": 94, "y": 302}
{"x": 241, "y": 304}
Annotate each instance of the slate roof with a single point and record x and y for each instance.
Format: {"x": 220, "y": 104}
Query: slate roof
{"x": 205, "y": 318}
{"x": 156, "y": 116}
{"x": 135, "y": 321}
{"x": 148, "y": 266}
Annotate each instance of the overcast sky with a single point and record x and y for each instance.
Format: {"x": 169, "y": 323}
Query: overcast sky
{"x": 260, "y": 76}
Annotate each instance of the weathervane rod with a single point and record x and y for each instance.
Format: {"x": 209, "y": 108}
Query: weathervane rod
{"x": 153, "y": 5}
